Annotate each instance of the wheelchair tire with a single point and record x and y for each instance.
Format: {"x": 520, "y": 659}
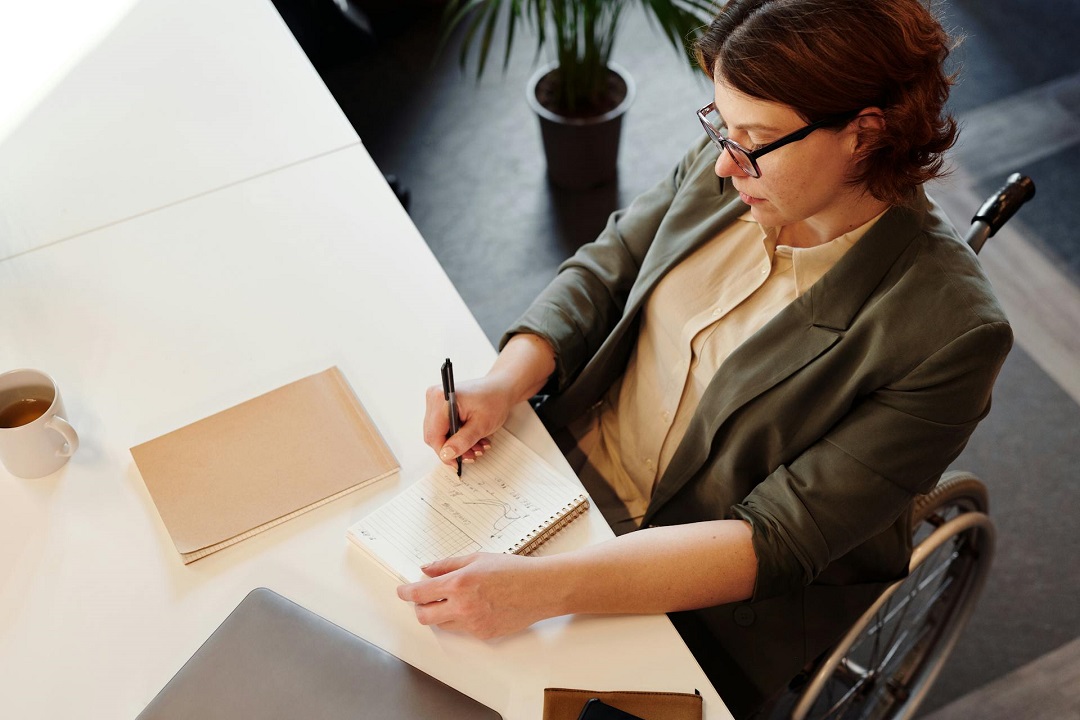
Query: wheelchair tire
{"x": 959, "y": 490}
{"x": 886, "y": 663}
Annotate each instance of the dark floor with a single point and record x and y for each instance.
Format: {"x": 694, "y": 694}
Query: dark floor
{"x": 1008, "y": 49}
{"x": 470, "y": 155}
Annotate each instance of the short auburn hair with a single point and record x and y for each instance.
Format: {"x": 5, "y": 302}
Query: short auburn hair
{"x": 825, "y": 58}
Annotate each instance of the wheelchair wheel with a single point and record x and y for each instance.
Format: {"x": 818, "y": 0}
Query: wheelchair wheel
{"x": 886, "y": 663}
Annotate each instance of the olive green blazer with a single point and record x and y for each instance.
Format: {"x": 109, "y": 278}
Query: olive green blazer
{"x": 818, "y": 430}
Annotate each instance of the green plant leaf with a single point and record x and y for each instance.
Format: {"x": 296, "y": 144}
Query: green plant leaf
{"x": 453, "y": 14}
{"x": 489, "y": 31}
{"x": 582, "y": 34}
{"x": 515, "y": 14}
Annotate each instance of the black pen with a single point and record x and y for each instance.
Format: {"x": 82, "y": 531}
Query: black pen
{"x": 451, "y": 398}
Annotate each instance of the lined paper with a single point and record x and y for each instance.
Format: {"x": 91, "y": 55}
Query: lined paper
{"x": 509, "y": 501}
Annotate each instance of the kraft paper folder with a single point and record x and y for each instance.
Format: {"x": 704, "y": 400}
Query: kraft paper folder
{"x": 246, "y": 469}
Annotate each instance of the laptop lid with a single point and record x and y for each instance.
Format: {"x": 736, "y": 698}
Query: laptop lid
{"x": 272, "y": 658}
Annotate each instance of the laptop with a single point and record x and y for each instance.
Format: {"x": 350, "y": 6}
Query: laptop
{"x": 272, "y": 658}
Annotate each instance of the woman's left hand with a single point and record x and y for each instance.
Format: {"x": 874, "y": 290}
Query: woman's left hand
{"x": 655, "y": 570}
{"x": 487, "y": 595}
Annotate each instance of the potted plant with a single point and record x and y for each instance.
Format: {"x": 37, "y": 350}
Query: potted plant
{"x": 581, "y": 97}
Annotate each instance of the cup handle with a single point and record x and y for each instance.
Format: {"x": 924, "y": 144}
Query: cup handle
{"x": 71, "y": 438}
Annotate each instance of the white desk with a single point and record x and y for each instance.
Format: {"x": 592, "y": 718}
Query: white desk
{"x": 163, "y": 319}
{"x": 178, "y": 98}
{"x": 186, "y": 221}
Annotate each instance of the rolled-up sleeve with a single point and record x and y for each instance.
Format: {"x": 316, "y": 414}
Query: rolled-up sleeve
{"x": 855, "y": 482}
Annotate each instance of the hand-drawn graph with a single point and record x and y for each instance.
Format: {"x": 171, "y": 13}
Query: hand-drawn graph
{"x": 507, "y": 514}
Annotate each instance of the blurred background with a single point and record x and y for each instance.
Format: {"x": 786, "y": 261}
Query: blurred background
{"x": 466, "y": 158}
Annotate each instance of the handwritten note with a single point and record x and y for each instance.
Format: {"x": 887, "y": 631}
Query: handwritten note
{"x": 509, "y": 501}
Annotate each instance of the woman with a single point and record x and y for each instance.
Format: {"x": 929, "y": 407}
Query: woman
{"x": 760, "y": 362}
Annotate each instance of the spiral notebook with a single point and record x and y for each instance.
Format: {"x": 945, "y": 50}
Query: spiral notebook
{"x": 508, "y": 501}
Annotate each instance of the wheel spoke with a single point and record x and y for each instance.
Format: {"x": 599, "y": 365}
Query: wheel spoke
{"x": 886, "y": 665}
{"x": 851, "y": 671}
{"x": 847, "y": 699}
{"x": 884, "y": 616}
{"x": 921, "y": 586}
{"x": 905, "y": 603}
{"x": 873, "y": 632}
{"x": 905, "y": 620}
{"x": 908, "y": 640}
{"x": 917, "y": 622}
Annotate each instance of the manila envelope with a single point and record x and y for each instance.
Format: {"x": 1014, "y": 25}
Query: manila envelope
{"x": 251, "y": 467}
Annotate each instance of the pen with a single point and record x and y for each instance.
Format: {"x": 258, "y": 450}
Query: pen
{"x": 451, "y": 398}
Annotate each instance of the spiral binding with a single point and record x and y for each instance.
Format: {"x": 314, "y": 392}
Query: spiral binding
{"x": 556, "y": 523}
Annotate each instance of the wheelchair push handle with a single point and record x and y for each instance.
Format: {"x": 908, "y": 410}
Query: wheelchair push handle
{"x": 1003, "y": 204}
{"x": 997, "y": 210}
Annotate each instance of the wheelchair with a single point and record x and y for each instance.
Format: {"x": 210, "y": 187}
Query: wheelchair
{"x": 885, "y": 664}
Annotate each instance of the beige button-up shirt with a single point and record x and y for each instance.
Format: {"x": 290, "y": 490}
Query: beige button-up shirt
{"x": 707, "y": 306}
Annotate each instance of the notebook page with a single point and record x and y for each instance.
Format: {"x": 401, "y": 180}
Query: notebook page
{"x": 498, "y": 504}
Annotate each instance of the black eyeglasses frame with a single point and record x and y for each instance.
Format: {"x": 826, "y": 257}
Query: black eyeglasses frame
{"x": 725, "y": 144}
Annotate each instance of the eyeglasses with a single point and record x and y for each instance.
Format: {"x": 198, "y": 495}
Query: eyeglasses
{"x": 747, "y": 159}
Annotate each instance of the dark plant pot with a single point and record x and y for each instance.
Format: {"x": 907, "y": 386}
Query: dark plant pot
{"x": 582, "y": 152}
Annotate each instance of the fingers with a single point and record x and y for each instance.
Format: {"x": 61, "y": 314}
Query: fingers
{"x": 485, "y": 595}
{"x": 430, "y": 603}
{"x": 435, "y": 613}
{"x": 436, "y": 418}
{"x": 437, "y": 427}
{"x": 481, "y": 411}
{"x": 471, "y": 455}
{"x": 427, "y": 591}
{"x": 468, "y": 442}
{"x": 445, "y": 613}
{"x": 441, "y": 567}
{"x": 442, "y": 614}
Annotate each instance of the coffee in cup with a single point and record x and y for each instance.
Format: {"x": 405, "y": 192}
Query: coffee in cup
{"x": 35, "y": 437}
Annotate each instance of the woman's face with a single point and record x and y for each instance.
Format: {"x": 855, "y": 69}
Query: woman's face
{"x": 800, "y": 183}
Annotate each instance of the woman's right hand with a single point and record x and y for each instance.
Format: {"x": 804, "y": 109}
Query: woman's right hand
{"x": 520, "y": 371}
{"x": 483, "y": 406}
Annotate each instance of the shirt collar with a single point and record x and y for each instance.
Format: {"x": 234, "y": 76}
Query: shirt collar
{"x": 813, "y": 262}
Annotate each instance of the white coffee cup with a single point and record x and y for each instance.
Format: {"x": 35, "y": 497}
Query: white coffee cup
{"x": 35, "y": 437}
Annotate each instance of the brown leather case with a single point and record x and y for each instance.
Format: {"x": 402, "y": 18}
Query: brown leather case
{"x": 566, "y": 703}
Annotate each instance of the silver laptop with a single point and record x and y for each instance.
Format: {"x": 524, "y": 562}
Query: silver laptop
{"x": 272, "y": 658}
